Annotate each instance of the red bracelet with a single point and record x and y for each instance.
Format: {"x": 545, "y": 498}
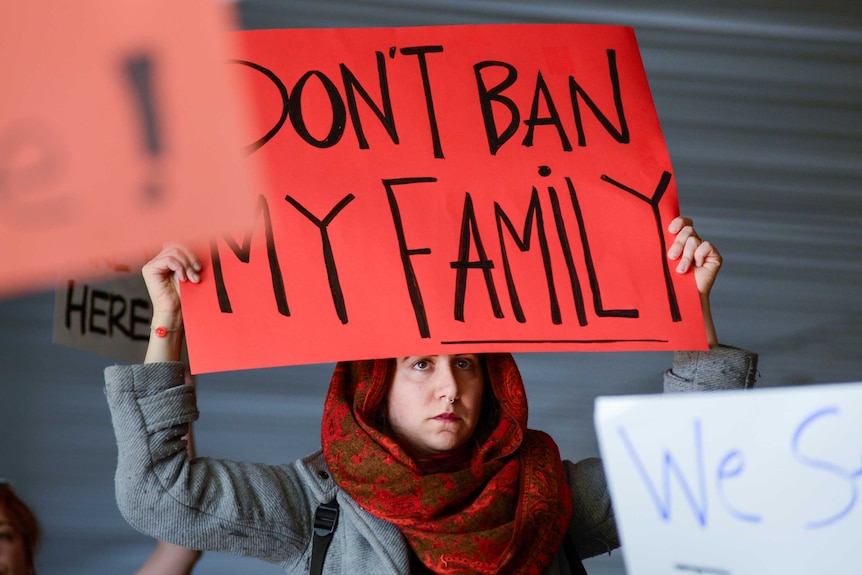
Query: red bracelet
{"x": 162, "y": 331}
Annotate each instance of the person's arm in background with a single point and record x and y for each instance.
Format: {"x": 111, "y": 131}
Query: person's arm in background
{"x": 169, "y": 559}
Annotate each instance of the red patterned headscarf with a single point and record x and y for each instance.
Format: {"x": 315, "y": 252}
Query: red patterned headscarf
{"x": 506, "y": 511}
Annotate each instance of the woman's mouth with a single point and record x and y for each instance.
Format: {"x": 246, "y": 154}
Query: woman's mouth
{"x": 448, "y": 416}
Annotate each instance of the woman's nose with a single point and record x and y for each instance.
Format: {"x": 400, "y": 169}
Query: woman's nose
{"x": 446, "y": 383}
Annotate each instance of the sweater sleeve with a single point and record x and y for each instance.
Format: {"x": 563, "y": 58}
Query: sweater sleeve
{"x": 593, "y": 528}
{"x": 245, "y": 509}
{"x": 721, "y": 368}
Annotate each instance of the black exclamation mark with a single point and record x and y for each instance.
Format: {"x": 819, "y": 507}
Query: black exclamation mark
{"x": 139, "y": 71}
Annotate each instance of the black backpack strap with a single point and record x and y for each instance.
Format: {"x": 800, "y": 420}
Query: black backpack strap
{"x": 576, "y": 566}
{"x": 325, "y": 521}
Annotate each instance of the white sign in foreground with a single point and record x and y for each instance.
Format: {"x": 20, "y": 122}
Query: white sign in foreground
{"x": 736, "y": 482}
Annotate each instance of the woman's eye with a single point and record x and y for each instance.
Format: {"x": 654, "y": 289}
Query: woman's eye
{"x": 421, "y": 365}
{"x": 463, "y": 363}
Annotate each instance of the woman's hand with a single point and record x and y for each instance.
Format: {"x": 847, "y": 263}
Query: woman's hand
{"x": 162, "y": 275}
{"x": 690, "y": 249}
{"x": 693, "y": 252}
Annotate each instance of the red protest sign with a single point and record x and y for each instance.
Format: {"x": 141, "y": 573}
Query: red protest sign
{"x": 436, "y": 189}
{"x": 120, "y": 128}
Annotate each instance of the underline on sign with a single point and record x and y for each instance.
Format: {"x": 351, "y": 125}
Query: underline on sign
{"x": 541, "y": 341}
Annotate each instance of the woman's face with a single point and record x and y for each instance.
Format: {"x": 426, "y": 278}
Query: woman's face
{"x": 13, "y": 558}
{"x": 434, "y": 401}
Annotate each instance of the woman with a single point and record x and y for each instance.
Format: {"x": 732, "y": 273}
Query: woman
{"x": 19, "y": 534}
{"x": 429, "y": 457}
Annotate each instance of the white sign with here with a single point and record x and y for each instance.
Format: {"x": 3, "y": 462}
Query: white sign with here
{"x": 110, "y": 317}
{"x": 736, "y": 482}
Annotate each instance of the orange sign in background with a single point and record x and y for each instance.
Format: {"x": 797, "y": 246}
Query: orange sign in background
{"x": 120, "y": 128}
{"x": 440, "y": 189}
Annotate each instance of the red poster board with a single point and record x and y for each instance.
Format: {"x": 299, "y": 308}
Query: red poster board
{"x": 120, "y": 128}
{"x": 440, "y": 189}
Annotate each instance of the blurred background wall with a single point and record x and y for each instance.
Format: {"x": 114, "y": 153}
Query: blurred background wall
{"x": 761, "y": 106}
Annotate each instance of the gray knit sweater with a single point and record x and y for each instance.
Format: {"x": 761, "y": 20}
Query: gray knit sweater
{"x": 267, "y": 511}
